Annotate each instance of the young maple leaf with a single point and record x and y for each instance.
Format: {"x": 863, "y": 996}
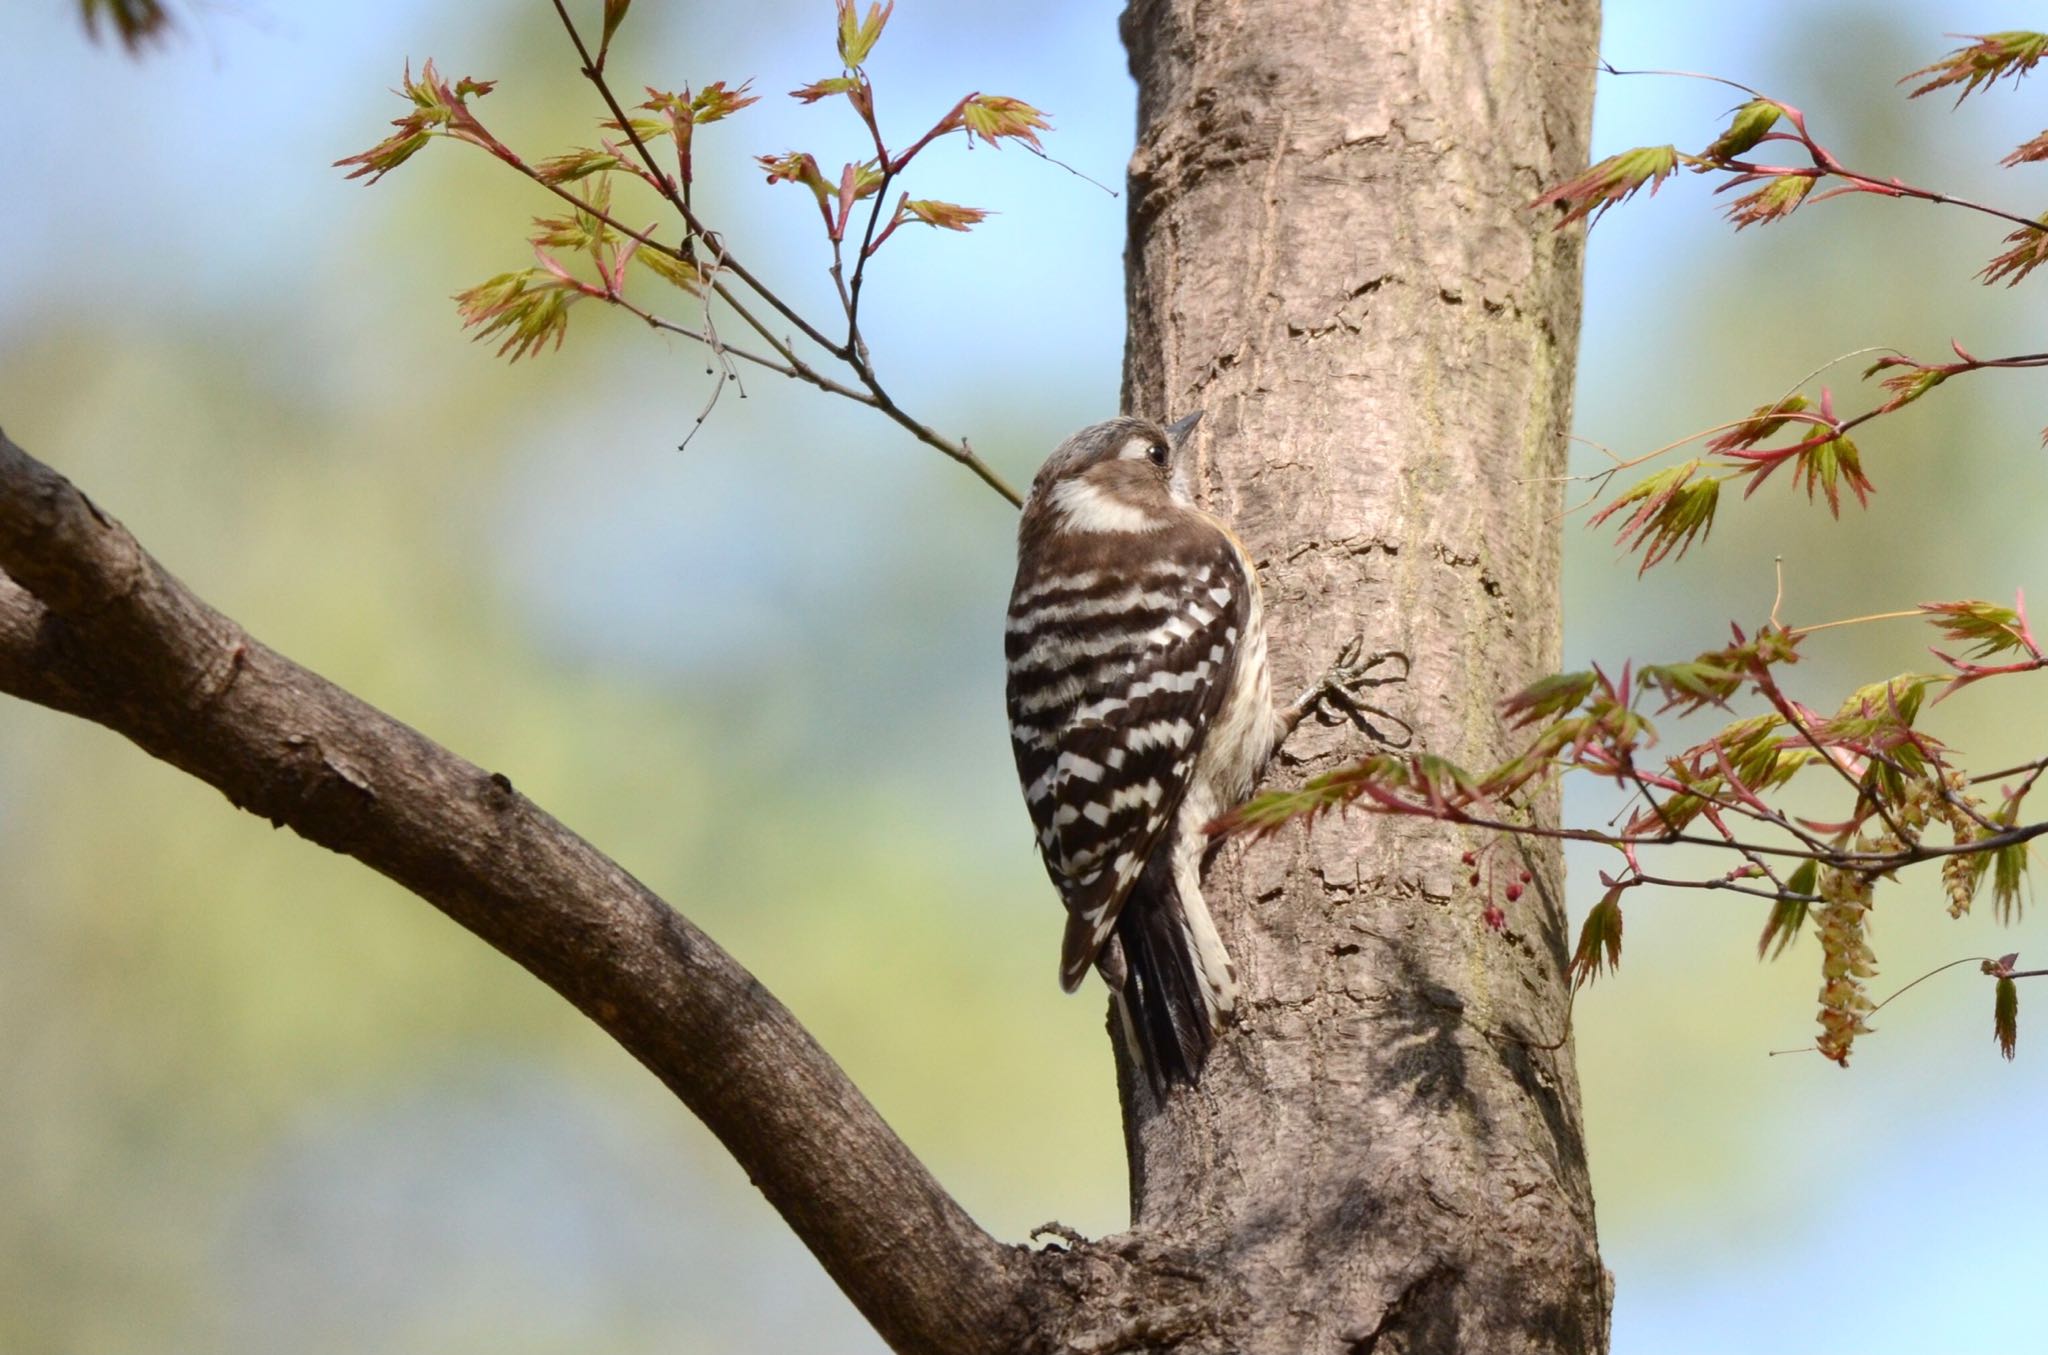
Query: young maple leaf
{"x": 857, "y": 36}
{"x": 949, "y": 215}
{"x": 1748, "y": 127}
{"x": 715, "y": 101}
{"x": 1777, "y": 199}
{"x": 1763, "y": 421}
{"x": 1672, "y": 509}
{"x": 1829, "y": 466}
{"x": 573, "y": 165}
{"x": 1991, "y": 628}
{"x": 1987, "y": 59}
{"x": 826, "y": 88}
{"x": 1615, "y": 179}
{"x": 2028, "y": 152}
{"x": 2029, "y": 251}
{"x": 796, "y": 167}
{"x": 529, "y": 306}
{"x": 2005, "y": 1017}
{"x": 1599, "y": 948}
{"x": 437, "y": 109}
{"x": 995, "y": 116}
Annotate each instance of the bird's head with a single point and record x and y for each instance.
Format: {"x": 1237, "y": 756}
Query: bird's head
{"x": 1124, "y": 475}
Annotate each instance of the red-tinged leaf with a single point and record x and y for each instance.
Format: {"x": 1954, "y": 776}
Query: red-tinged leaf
{"x": 715, "y": 102}
{"x": 1991, "y": 628}
{"x": 1748, "y": 127}
{"x": 867, "y": 179}
{"x": 2029, "y": 251}
{"x": 1599, "y": 948}
{"x": 994, "y": 116}
{"x": 2028, "y": 152}
{"x": 857, "y": 36}
{"x": 946, "y": 215}
{"x": 527, "y": 307}
{"x": 1615, "y": 179}
{"x": 796, "y": 167}
{"x": 1672, "y": 510}
{"x": 1762, "y": 423}
{"x": 2005, "y": 1017}
{"x": 1988, "y": 58}
{"x": 1909, "y": 385}
{"x": 1777, "y": 199}
{"x": 826, "y": 88}
{"x": 437, "y": 109}
{"x": 1828, "y": 467}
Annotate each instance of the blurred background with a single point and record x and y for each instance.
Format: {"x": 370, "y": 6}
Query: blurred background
{"x": 255, "y": 1099}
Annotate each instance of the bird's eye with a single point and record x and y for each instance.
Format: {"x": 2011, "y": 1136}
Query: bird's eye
{"x": 1157, "y": 453}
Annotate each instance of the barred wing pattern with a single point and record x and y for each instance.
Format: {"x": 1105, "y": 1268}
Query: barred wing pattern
{"x": 1116, "y": 671}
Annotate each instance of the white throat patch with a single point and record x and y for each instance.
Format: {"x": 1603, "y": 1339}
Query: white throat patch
{"x": 1084, "y": 507}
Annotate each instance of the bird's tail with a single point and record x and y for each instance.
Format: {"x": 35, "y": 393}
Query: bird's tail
{"x": 1170, "y": 1024}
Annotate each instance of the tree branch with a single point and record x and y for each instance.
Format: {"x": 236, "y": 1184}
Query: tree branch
{"x": 91, "y": 625}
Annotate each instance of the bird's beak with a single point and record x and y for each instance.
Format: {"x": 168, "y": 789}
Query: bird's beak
{"x": 1179, "y": 429}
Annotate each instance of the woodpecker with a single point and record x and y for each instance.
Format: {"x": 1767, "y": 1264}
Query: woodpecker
{"x": 1141, "y": 708}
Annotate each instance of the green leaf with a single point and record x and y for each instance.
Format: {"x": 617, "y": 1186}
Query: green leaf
{"x": 1751, "y": 121}
{"x": 1763, "y": 422}
{"x": 614, "y": 15}
{"x": 1599, "y": 940}
{"x": 857, "y": 37}
{"x": 994, "y": 116}
{"x": 1778, "y": 198}
{"x": 2005, "y": 1017}
{"x": 826, "y": 88}
{"x": 676, "y": 272}
{"x": 715, "y": 102}
{"x": 1672, "y": 510}
{"x": 1615, "y": 179}
{"x": 1991, "y": 628}
{"x": 1788, "y": 915}
{"x": 1986, "y": 59}
{"x": 529, "y": 307}
{"x": 947, "y": 215}
{"x": 573, "y": 165}
{"x": 1548, "y": 697}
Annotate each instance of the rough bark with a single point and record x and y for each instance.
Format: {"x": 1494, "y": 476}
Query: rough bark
{"x": 1332, "y": 253}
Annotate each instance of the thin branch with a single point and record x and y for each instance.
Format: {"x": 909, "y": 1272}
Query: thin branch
{"x": 669, "y": 191}
{"x": 91, "y": 625}
{"x": 852, "y": 352}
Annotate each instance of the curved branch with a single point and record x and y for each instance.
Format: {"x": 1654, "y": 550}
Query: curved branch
{"x": 91, "y": 625}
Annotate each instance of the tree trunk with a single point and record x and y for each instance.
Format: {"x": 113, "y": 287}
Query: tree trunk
{"x": 1332, "y": 253}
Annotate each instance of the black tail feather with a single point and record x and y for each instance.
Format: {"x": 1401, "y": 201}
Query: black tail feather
{"x": 1162, "y": 991}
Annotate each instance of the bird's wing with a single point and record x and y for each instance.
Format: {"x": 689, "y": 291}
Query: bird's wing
{"x": 1113, "y": 684}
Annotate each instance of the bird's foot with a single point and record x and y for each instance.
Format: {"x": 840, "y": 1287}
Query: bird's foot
{"x": 1337, "y": 697}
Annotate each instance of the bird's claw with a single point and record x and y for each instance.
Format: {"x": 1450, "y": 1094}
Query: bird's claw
{"x": 1337, "y": 697}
